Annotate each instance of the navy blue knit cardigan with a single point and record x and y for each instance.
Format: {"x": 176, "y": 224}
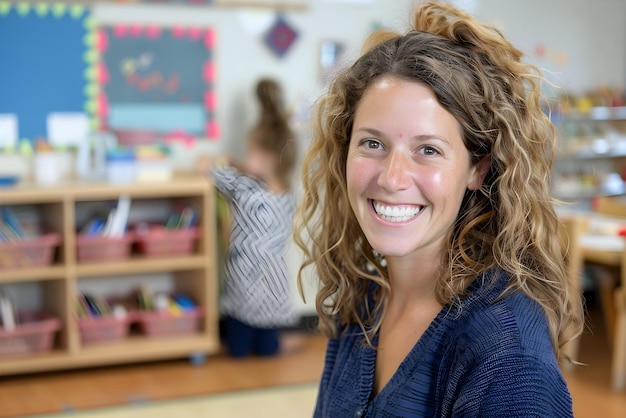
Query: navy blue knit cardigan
{"x": 491, "y": 358}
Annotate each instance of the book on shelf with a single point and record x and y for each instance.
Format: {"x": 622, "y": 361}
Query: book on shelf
{"x": 10, "y": 227}
{"x": 8, "y": 315}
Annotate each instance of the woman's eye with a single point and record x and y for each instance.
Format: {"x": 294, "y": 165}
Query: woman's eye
{"x": 427, "y": 150}
{"x": 372, "y": 144}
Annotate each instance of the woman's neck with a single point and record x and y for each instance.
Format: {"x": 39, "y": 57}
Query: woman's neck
{"x": 412, "y": 278}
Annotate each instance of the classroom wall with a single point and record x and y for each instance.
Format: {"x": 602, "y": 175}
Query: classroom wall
{"x": 584, "y": 42}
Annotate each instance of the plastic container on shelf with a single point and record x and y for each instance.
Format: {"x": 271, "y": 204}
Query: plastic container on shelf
{"x": 153, "y": 164}
{"x": 28, "y": 252}
{"x": 104, "y": 328}
{"x": 103, "y": 248}
{"x": 158, "y": 241}
{"x": 154, "y": 169}
{"x": 165, "y": 323}
{"x": 47, "y": 168}
{"x": 34, "y": 334}
{"x": 121, "y": 166}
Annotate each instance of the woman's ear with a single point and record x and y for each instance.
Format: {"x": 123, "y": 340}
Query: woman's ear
{"x": 480, "y": 170}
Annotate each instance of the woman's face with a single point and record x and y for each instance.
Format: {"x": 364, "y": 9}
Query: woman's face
{"x": 407, "y": 168}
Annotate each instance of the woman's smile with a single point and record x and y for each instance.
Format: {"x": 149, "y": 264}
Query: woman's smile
{"x": 395, "y": 213}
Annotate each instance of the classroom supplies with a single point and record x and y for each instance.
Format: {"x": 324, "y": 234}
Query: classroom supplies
{"x": 7, "y": 312}
{"x": 34, "y": 333}
{"x": 101, "y": 248}
{"x": 119, "y": 218}
{"x": 121, "y": 166}
{"x": 100, "y": 319}
{"x": 47, "y": 168}
{"x": 167, "y": 315}
{"x": 21, "y": 244}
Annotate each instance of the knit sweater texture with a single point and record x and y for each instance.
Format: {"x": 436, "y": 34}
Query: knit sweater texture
{"x": 492, "y": 357}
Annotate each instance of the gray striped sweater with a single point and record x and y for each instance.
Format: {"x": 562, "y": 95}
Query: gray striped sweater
{"x": 256, "y": 288}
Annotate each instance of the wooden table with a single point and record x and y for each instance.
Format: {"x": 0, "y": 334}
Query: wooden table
{"x": 601, "y": 245}
{"x": 602, "y": 242}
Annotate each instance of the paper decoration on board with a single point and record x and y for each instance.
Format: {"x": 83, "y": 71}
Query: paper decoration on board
{"x": 67, "y": 128}
{"x": 280, "y": 36}
{"x": 158, "y": 79}
{"x": 8, "y": 130}
{"x": 45, "y": 63}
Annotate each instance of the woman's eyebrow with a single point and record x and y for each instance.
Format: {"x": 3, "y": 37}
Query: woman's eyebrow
{"x": 371, "y": 131}
{"x": 430, "y": 137}
{"x": 421, "y": 137}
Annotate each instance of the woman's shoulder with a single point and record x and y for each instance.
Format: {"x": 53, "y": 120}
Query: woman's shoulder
{"x": 493, "y": 321}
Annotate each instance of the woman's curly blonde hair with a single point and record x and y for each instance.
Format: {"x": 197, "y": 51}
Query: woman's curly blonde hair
{"x": 508, "y": 225}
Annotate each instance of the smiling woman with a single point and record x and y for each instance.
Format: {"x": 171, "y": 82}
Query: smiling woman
{"x": 432, "y": 229}
{"x": 397, "y": 163}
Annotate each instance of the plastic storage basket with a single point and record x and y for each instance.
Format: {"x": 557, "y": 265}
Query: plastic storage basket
{"x": 164, "y": 323}
{"x": 28, "y": 252}
{"x": 105, "y": 328}
{"x": 158, "y": 241}
{"x": 33, "y": 334}
{"x": 102, "y": 248}
{"x": 134, "y": 137}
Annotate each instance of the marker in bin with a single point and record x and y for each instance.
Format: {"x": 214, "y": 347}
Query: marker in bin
{"x": 175, "y": 305}
{"x": 185, "y": 219}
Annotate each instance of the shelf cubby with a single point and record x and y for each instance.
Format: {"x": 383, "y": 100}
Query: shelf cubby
{"x": 61, "y": 210}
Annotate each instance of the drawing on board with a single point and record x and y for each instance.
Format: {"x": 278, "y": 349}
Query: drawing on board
{"x": 158, "y": 79}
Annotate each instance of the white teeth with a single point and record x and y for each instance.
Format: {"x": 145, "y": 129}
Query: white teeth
{"x": 396, "y": 213}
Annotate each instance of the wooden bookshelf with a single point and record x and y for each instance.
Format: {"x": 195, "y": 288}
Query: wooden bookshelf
{"x": 194, "y": 274}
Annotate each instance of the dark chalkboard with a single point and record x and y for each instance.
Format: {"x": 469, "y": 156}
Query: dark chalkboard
{"x": 158, "y": 78}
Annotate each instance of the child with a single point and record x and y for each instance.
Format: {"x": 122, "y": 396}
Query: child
{"x": 255, "y": 295}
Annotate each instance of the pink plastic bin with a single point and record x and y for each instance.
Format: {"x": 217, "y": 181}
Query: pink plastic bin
{"x": 28, "y": 252}
{"x": 34, "y": 333}
{"x": 164, "y": 323}
{"x": 158, "y": 241}
{"x": 105, "y": 328}
{"x": 133, "y": 137}
{"x": 99, "y": 248}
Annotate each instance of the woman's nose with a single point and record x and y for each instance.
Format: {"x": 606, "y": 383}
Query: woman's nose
{"x": 396, "y": 174}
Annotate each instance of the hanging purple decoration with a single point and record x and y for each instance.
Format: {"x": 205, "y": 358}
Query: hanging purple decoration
{"x": 280, "y": 37}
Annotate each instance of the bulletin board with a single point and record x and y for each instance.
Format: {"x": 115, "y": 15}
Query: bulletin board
{"x": 45, "y": 54}
{"x": 158, "y": 79}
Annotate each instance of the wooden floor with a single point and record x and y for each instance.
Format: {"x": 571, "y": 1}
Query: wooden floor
{"x": 73, "y": 390}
